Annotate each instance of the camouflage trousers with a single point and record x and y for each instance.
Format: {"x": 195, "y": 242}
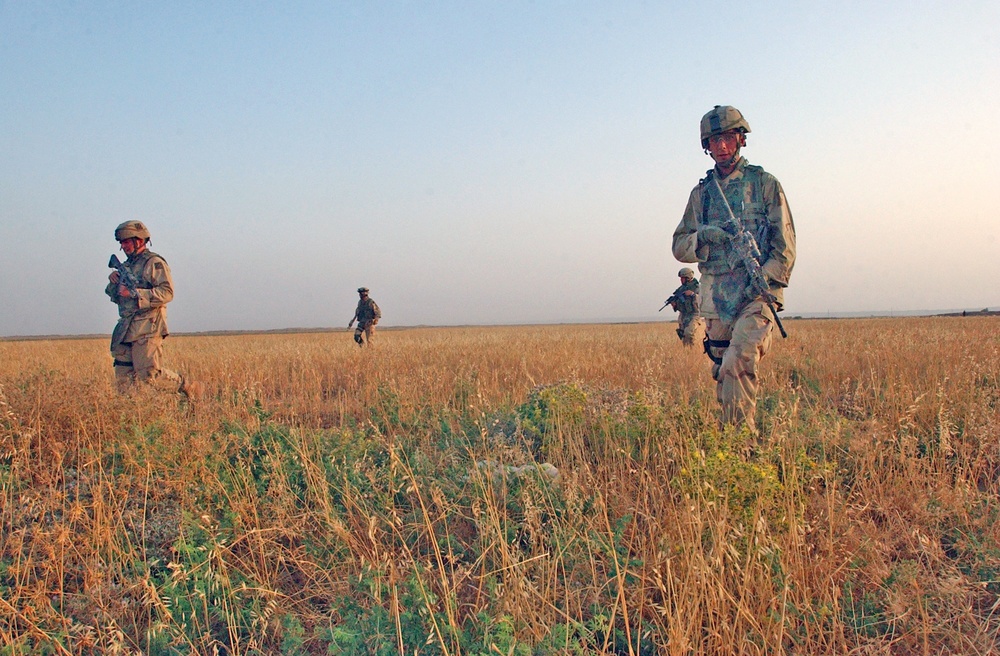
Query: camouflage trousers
{"x": 691, "y": 331}
{"x": 749, "y": 338}
{"x": 367, "y": 330}
{"x": 141, "y": 361}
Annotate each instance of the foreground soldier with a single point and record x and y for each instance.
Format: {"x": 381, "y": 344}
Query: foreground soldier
{"x": 739, "y": 318}
{"x": 141, "y": 288}
{"x": 367, "y": 315}
{"x": 686, "y": 301}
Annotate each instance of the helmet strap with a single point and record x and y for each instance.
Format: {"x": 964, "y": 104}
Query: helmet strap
{"x": 729, "y": 163}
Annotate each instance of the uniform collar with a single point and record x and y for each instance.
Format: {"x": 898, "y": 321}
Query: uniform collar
{"x": 741, "y": 164}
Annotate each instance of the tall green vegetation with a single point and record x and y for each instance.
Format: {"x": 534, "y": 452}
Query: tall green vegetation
{"x": 329, "y": 500}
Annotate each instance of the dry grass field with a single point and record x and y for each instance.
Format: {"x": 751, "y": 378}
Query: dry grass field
{"x": 328, "y": 500}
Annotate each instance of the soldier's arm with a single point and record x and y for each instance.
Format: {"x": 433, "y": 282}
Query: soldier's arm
{"x": 685, "y": 244}
{"x": 781, "y": 255}
{"x": 161, "y": 289}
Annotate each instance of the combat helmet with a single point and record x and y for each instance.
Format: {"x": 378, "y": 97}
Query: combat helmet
{"x": 721, "y": 119}
{"x": 362, "y": 290}
{"x": 131, "y": 229}
{"x": 685, "y": 273}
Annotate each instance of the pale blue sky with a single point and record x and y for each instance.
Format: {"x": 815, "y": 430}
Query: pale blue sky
{"x": 478, "y": 162}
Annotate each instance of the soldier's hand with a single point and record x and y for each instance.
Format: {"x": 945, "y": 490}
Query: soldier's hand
{"x": 688, "y": 293}
{"x": 123, "y": 292}
{"x": 114, "y": 277}
{"x": 711, "y": 234}
{"x": 350, "y": 323}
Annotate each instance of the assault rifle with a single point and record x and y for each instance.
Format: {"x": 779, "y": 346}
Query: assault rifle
{"x": 125, "y": 276}
{"x": 746, "y": 248}
{"x": 674, "y": 298}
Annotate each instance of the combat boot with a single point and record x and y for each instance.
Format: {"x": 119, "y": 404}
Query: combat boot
{"x": 193, "y": 389}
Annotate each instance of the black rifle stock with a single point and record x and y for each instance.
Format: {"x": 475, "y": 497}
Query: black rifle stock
{"x": 125, "y": 276}
{"x": 746, "y": 247}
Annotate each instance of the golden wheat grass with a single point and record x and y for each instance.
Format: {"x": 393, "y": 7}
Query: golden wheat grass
{"x": 328, "y": 499}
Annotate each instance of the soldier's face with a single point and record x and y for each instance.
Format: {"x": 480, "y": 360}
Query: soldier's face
{"x": 132, "y": 245}
{"x": 722, "y": 147}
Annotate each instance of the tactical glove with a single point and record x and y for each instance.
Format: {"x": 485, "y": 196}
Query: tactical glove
{"x": 711, "y": 234}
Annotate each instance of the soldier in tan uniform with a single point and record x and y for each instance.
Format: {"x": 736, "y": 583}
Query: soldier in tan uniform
{"x": 142, "y": 296}
{"x": 367, "y": 315}
{"x": 686, "y": 301}
{"x": 739, "y": 321}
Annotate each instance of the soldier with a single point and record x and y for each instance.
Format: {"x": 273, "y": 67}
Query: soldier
{"x": 687, "y": 303}
{"x": 137, "y": 340}
{"x": 367, "y": 315}
{"x": 739, "y": 321}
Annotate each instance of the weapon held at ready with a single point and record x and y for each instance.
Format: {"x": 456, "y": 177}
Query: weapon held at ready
{"x": 125, "y": 276}
{"x": 674, "y": 298}
{"x": 746, "y": 248}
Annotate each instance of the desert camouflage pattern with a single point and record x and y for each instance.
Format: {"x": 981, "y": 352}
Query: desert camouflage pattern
{"x": 147, "y": 314}
{"x": 736, "y": 377}
{"x": 367, "y": 315}
{"x": 137, "y": 340}
{"x": 691, "y": 332}
{"x": 690, "y": 325}
{"x": 130, "y": 229}
{"x": 142, "y": 361}
{"x": 688, "y": 306}
{"x": 756, "y": 197}
{"x": 731, "y": 310}
{"x": 367, "y": 311}
{"x": 722, "y": 118}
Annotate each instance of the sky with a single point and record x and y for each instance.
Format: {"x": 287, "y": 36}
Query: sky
{"x": 484, "y": 162}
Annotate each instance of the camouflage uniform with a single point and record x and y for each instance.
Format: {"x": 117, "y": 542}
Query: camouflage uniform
{"x": 690, "y": 325}
{"x": 367, "y": 315}
{"x": 739, "y": 324}
{"x": 137, "y": 340}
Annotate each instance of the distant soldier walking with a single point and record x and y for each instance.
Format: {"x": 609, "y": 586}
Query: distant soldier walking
{"x": 737, "y": 226}
{"x": 686, "y": 302}
{"x": 367, "y": 315}
{"x": 141, "y": 286}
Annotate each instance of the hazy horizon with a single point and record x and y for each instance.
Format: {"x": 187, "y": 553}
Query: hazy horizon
{"x": 478, "y": 164}
{"x": 888, "y": 314}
